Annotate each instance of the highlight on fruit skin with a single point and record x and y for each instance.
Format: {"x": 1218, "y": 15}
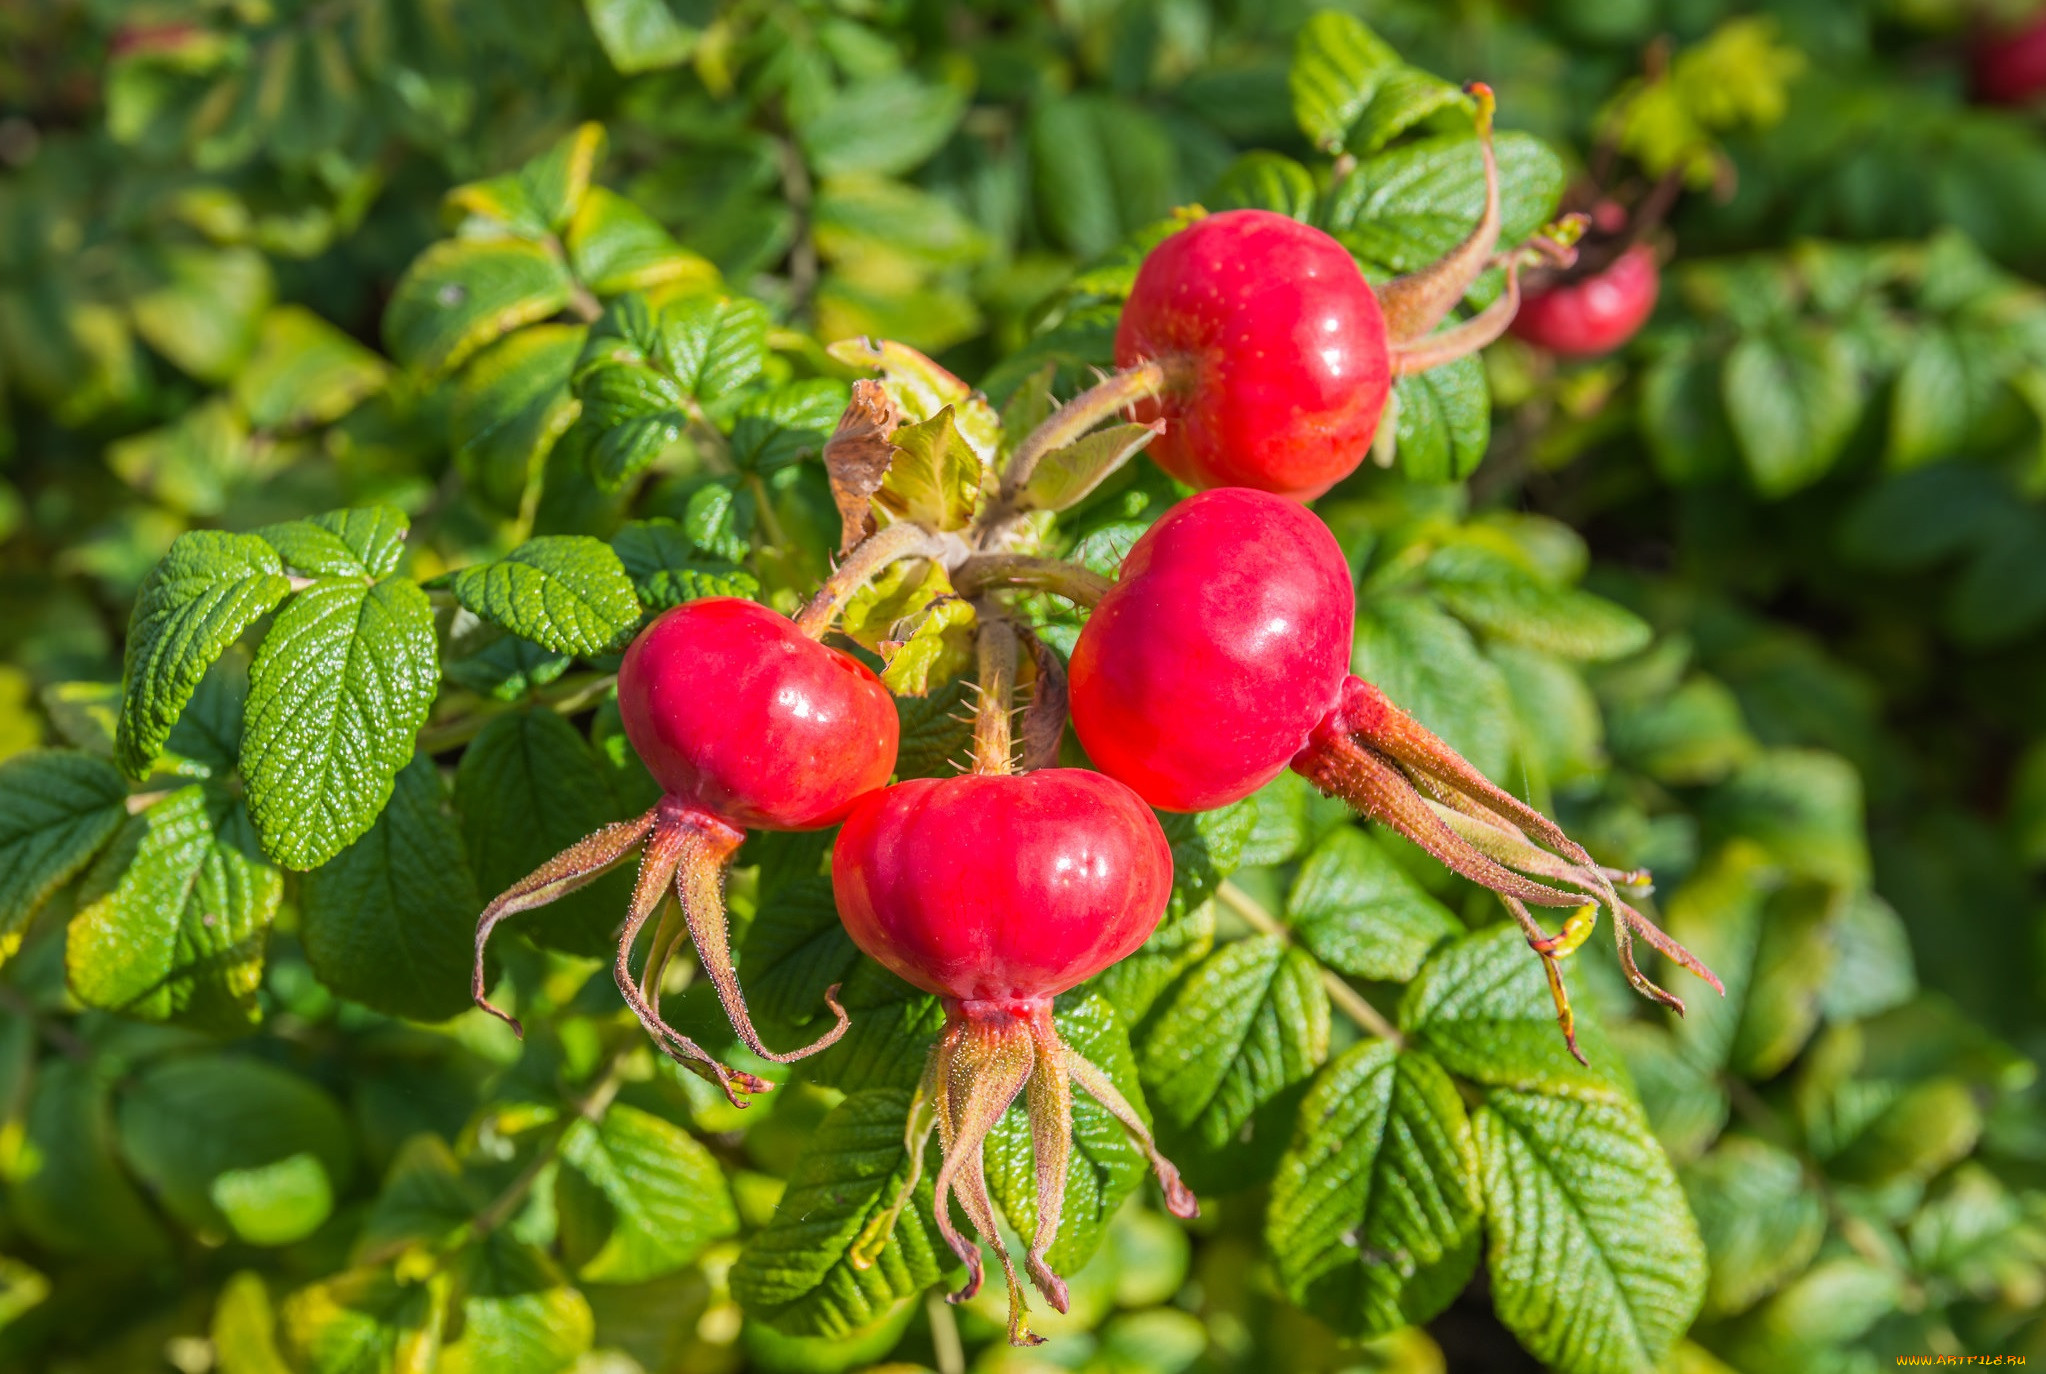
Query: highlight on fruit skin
{"x": 746, "y": 723}
{"x": 1221, "y": 656}
{"x": 997, "y": 892}
{"x": 1279, "y": 356}
{"x": 1584, "y": 316}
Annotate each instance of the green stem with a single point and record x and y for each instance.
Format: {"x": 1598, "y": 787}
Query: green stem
{"x": 566, "y": 697}
{"x": 1081, "y": 586}
{"x": 903, "y": 539}
{"x": 1346, "y": 998}
{"x": 993, "y": 740}
{"x": 1102, "y": 401}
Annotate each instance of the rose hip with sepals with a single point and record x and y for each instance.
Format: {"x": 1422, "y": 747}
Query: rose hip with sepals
{"x": 997, "y": 891}
{"x": 1278, "y": 356}
{"x": 1220, "y": 656}
{"x": 746, "y": 723}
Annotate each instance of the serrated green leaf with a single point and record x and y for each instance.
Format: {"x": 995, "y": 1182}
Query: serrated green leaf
{"x": 528, "y": 787}
{"x": 204, "y": 306}
{"x": 934, "y": 478}
{"x": 425, "y": 1197}
{"x": 938, "y": 649}
{"x": 1595, "y": 1262}
{"x": 921, "y": 388}
{"x": 1793, "y": 400}
{"x": 1261, "y": 180}
{"x": 390, "y": 920}
{"x": 194, "y": 1128}
{"x": 360, "y": 1321}
{"x": 365, "y": 542}
{"x": 56, "y": 809}
{"x": 1338, "y": 65}
{"x": 511, "y": 404}
{"x": 208, "y": 589}
{"x": 1760, "y": 1224}
{"x": 1441, "y": 421}
{"x": 1104, "y": 1167}
{"x": 719, "y": 519}
{"x": 642, "y": 35}
{"x": 174, "y": 916}
{"x": 797, "y": 1274}
{"x": 1481, "y": 1006}
{"x": 565, "y": 592}
{"x": 1804, "y": 807}
{"x": 1249, "y": 1022}
{"x": 461, "y": 294}
{"x": 886, "y": 125}
{"x": 787, "y": 424}
{"x": 1494, "y": 595}
{"x": 305, "y": 372}
{"x": 638, "y": 1196}
{"x": 1357, "y": 911}
{"x": 64, "y": 1188}
{"x": 614, "y": 246}
{"x": 1206, "y": 848}
{"x": 1373, "y": 1220}
{"x": 519, "y": 1315}
{"x": 1402, "y": 209}
{"x": 1067, "y": 476}
{"x": 1696, "y": 734}
{"x": 337, "y": 695}
{"x": 666, "y": 569}
{"x": 539, "y": 197}
{"x": 1687, "y": 1103}
{"x": 1428, "y": 665}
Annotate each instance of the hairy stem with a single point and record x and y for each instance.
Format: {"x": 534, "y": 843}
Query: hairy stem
{"x": 984, "y": 571}
{"x": 903, "y": 539}
{"x": 1416, "y": 303}
{"x": 1346, "y": 998}
{"x": 1103, "y": 401}
{"x": 993, "y": 741}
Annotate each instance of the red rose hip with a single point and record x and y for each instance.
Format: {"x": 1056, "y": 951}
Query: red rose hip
{"x": 997, "y": 891}
{"x": 1274, "y": 356}
{"x": 1224, "y": 641}
{"x": 745, "y": 722}
{"x": 2009, "y": 65}
{"x": 1593, "y": 314}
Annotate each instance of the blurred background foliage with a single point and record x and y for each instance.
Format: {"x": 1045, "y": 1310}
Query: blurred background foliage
{"x": 1816, "y": 479}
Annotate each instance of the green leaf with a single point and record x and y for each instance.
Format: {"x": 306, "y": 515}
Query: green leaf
{"x": 638, "y": 1196}
{"x": 1871, "y": 968}
{"x": 1249, "y": 1022}
{"x": 643, "y": 35}
{"x": 1357, "y": 911}
{"x": 1441, "y": 421}
{"x": 787, "y": 424}
{"x": 1696, "y": 734}
{"x": 518, "y": 1314}
{"x": 461, "y": 294}
{"x": 360, "y": 1321}
{"x": 173, "y": 918}
{"x": 565, "y": 592}
{"x": 426, "y": 1197}
{"x": 1595, "y": 1263}
{"x": 57, "y": 808}
{"x": 1683, "y": 415}
{"x": 1402, "y": 209}
{"x": 208, "y": 589}
{"x": 1373, "y": 1220}
{"x": 1351, "y": 89}
{"x": 1823, "y": 1314}
{"x": 1804, "y": 807}
{"x": 244, "y": 1328}
{"x": 64, "y": 1189}
{"x": 337, "y": 695}
{"x": 1067, "y": 476}
{"x": 888, "y": 124}
{"x": 1793, "y": 400}
{"x": 204, "y": 308}
{"x": 199, "y": 1128}
{"x": 1206, "y": 848}
{"x": 1104, "y": 1167}
{"x": 1429, "y": 666}
{"x": 1760, "y": 1223}
{"x": 1493, "y": 594}
{"x": 934, "y": 478}
{"x": 511, "y": 404}
{"x": 1261, "y": 180}
{"x": 528, "y": 787}
{"x": 614, "y": 246}
{"x": 937, "y": 650}
{"x": 305, "y": 372}
{"x": 797, "y": 1274}
{"x": 666, "y": 570}
{"x": 1559, "y": 729}
{"x": 1481, "y": 1006}
{"x": 365, "y": 542}
{"x": 390, "y": 920}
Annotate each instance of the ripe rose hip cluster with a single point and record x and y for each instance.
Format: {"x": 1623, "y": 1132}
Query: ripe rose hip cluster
{"x": 1261, "y": 359}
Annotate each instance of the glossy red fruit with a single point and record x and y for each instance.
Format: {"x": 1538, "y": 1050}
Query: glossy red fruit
{"x": 2009, "y": 65}
{"x": 1223, "y": 643}
{"x": 1594, "y": 314}
{"x": 1001, "y": 888}
{"x": 1281, "y": 348}
{"x": 735, "y": 710}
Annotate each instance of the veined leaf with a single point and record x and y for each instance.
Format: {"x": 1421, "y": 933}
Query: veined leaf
{"x": 336, "y": 697}
{"x": 208, "y": 589}
{"x": 615, "y": 246}
{"x": 359, "y": 1321}
{"x": 1351, "y": 89}
{"x": 1489, "y": 591}
{"x": 1066, "y": 476}
{"x": 363, "y": 541}
{"x": 510, "y": 407}
{"x": 1374, "y": 1214}
{"x": 638, "y": 1196}
{"x": 57, "y": 808}
{"x": 461, "y": 294}
{"x": 666, "y": 569}
{"x": 1596, "y": 1265}
{"x": 1358, "y": 912}
{"x": 174, "y": 917}
{"x": 934, "y": 478}
{"x": 305, "y": 372}
{"x": 798, "y": 1273}
{"x": 1760, "y": 1225}
{"x": 1793, "y": 400}
{"x": 565, "y": 592}
{"x": 519, "y": 1315}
